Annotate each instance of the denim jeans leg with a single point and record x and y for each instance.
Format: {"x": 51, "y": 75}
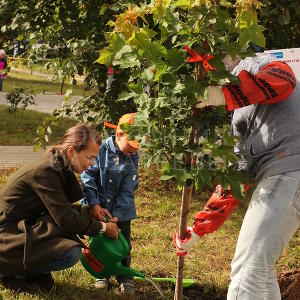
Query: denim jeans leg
{"x": 67, "y": 260}
{"x": 272, "y": 218}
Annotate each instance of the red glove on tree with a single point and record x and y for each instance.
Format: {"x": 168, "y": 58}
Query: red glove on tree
{"x": 215, "y": 212}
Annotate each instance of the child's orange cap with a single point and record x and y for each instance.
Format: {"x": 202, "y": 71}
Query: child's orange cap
{"x": 125, "y": 119}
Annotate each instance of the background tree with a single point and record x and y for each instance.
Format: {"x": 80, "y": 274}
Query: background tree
{"x": 281, "y": 22}
{"x": 75, "y": 31}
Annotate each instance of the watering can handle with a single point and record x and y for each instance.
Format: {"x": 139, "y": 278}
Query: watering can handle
{"x": 121, "y": 236}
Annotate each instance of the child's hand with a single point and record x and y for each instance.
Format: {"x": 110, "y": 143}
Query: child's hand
{"x": 112, "y": 231}
{"x": 99, "y": 213}
{"x": 114, "y": 220}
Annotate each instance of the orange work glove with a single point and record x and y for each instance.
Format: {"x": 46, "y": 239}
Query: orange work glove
{"x": 215, "y": 212}
{"x": 219, "y": 206}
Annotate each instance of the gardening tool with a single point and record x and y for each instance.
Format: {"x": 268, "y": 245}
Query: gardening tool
{"x": 103, "y": 258}
{"x": 185, "y": 282}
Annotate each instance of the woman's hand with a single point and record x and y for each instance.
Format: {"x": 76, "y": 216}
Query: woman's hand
{"x": 99, "y": 213}
{"x": 112, "y": 231}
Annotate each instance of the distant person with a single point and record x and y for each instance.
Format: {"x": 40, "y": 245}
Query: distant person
{"x": 109, "y": 188}
{"x": 39, "y": 225}
{"x": 3, "y": 66}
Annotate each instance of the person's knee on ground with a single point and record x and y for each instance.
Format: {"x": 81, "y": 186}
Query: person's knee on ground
{"x": 71, "y": 257}
{"x": 65, "y": 261}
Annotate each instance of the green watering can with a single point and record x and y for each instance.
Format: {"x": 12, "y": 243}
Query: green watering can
{"x": 103, "y": 259}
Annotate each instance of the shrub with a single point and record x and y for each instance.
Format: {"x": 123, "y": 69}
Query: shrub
{"x": 20, "y": 97}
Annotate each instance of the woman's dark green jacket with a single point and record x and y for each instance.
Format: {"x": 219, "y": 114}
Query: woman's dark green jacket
{"x": 38, "y": 222}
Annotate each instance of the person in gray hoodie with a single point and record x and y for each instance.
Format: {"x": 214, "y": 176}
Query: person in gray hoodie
{"x": 266, "y": 108}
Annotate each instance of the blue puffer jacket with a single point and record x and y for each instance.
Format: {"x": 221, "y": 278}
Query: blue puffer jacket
{"x": 112, "y": 181}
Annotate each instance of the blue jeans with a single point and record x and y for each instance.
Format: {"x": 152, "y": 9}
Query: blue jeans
{"x": 67, "y": 260}
{"x": 272, "y": 218}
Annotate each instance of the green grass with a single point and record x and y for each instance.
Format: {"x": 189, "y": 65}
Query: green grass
{"x": 39, "y": 67}
{"x": 41, "y": 84}
{"x": 158, "y": 206}
{"x": 20, "y": 128}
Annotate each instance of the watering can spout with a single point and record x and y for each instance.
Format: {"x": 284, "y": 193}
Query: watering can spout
{"x": 121, "y": 270}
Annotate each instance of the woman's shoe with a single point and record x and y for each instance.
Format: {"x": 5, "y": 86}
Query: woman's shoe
{"x": 43, "y": 280}
{"x": 15, "y": 283}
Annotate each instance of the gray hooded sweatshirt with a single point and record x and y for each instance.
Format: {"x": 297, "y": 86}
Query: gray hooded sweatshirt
{"x": 269, "y": 133}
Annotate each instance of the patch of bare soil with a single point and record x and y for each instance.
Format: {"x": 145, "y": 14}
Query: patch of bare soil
{"x": 289, "y": 283}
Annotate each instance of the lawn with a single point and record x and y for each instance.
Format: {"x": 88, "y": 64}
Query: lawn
{"x": 42, "y": 84}
{"x": 20, "y": 128}
{"x": 158, "y": 206}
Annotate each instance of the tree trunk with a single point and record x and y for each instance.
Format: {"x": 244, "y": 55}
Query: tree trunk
{"x": 62, "y": 86}
{"x": 184, "y": 211}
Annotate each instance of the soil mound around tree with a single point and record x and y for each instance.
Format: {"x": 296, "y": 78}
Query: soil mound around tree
{"x": 289, "y": 284}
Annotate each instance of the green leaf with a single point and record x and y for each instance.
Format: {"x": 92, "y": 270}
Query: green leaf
{"x": 249, "y": 29}
{"x": 166, "y": 177}
{"x": 106, "y": 57}
{"x": 226, "y": 3}
{"x": 176, "y": 59}
{"x": 68, "y": 95}
{"x": 183, "y": 4}
{"x": 256, "y": 35}
{"x": 161, "y": 102}
{"x": 103, "y": 10}
{"x": 137, "y": 88}
{"x": 108, "y": 54}
{"x": 203, "y": 178}
{"x": 129, "y": 60}
{"x": 126, "y": 96}
{"x": 180, "y": 174}
{"x": 41, "y": 130}
{"x": 153, "y": 52}
{"x": 236, "y": 189}
{"x": 125, "y": 49}
{"x": 194, "y": 90}
{"x": 160, "y": 72}
{"x": 148, "y": 75}
{"x": 37, "y": 147}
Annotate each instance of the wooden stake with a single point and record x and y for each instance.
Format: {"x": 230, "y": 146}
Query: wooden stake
{"x": 186, "y": 196}
{"x": 184, "y": 211}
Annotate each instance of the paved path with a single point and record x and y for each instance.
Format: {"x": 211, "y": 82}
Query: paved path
{"x": 14, "y": 156}
{"x": 45, "y": 103}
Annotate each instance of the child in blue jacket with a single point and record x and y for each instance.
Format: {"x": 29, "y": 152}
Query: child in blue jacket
{"x": 109, "y": 188}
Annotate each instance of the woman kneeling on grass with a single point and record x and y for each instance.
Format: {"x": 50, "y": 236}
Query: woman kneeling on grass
{"x": 38, "y": 223}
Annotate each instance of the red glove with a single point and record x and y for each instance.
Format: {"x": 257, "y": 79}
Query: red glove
{"x": 215, "y": 212}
